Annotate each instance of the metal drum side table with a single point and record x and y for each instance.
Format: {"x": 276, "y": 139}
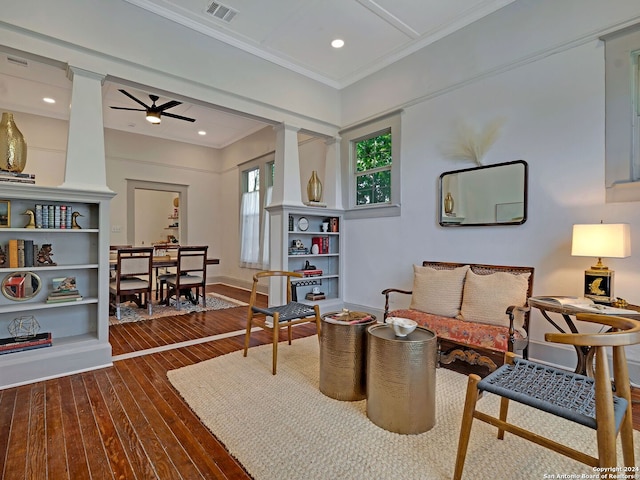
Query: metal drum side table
{"x": 401, "y": 379}
{"x": 343, "y": 349}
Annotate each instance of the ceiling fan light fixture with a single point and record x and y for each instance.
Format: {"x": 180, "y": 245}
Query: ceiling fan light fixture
{"x": 153, "y": 117}
{"x": 337, "y": 43}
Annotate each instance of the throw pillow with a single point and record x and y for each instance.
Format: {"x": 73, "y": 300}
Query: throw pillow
{"x": 438, "y": 292}
{"x": 486, "y": 297}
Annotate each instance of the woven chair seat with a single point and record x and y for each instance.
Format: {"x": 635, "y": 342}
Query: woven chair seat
{"x": 565, "y": 394}
{"x": 287, "y": 312}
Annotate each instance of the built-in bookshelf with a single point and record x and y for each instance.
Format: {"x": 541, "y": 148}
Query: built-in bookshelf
{"x": 322, "y": 266}
{"x": 79, "y": 329}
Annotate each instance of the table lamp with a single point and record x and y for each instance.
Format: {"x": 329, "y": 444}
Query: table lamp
{"x": 611, "y": 240}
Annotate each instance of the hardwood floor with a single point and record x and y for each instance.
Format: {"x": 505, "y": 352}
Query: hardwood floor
{"x": 127, "y": 421}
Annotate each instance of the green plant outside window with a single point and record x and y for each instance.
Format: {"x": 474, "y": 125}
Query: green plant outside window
{"x": 373, "y": 169}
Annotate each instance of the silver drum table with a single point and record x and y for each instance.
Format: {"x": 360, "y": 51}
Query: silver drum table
{"x": 343, "y": 350}
{"x": 401, "y": 379}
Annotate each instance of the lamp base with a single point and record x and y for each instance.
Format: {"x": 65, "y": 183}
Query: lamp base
{"x": 598, "y": 285}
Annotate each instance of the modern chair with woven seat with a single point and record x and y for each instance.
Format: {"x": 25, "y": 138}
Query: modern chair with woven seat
{"x": 274, "y": 318}
{"x": 132, "y": 280}
{"x": 587, "y": 401}
{"x": 191, "y": 273}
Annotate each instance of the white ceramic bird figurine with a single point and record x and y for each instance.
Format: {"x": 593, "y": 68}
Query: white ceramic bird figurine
{"x": 74, "y": 221}
{"x": 31, "y": 223}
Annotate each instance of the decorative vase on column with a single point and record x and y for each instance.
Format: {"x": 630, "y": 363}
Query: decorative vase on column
{"x": 13, "y": 147}
{"x": 314, "y": 188}
{"x": 448, "y": 204}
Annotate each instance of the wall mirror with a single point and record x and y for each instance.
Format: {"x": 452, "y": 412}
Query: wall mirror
{"x": 487, "y": 195}
{"x": 21, "y": 285}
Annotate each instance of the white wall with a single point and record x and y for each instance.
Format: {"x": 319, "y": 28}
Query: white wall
{"x": 554, "y": 111}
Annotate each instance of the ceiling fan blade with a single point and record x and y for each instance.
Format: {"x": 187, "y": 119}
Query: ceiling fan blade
{"x": 134, "y": 98}
{"x": 179, "y": 117}
{"x": 169, "y": 104}
{"x": 125, "y": 108}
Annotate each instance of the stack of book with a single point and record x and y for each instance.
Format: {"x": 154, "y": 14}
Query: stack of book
{"x": 298, "y": 251}
{"x": 315, "y": 296}
{"x": 11, "y": 344}
{"x": 17, "y": 177}
{"x": 64, "y": 290}
{"x": 314, "y": 272}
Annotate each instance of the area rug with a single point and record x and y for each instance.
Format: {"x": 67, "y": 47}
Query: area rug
{"x": 282, "y": 427}
{"x": 130, "y": 312}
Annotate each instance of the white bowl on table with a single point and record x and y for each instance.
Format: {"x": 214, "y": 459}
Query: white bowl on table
{"x": 402, "y": 326}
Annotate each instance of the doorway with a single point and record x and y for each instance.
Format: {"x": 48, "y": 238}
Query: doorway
{"x": 156, "y": 213}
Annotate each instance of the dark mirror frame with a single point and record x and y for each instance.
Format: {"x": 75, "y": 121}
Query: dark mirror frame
{"x": 450, "y": 221}
{"x": 12, "y": 290}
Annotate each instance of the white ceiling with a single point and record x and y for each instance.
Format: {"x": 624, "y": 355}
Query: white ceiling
{"x": 295, "y": 34}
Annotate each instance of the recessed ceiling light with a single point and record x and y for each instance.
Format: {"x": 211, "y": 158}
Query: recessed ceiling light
{"x": 337, "y": 43}
{"x": 201, "y": 132}
{"x": 48, "y": 100}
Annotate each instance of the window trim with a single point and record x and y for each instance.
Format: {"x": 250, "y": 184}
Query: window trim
{"x": 622, "y": 115}
{"x": 350, "y": 136}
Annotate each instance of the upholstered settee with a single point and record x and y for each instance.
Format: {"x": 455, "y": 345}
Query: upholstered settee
{"x": 478, "y": 312}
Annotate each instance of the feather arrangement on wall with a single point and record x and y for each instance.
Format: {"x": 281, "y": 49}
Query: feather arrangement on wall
{"x": 470, "y": 144}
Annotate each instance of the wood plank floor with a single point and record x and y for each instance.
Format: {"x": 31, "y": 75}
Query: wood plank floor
{"x": 127, "y": 421}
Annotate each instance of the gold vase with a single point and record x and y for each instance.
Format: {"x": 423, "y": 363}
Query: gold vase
{"x": 314, "y": 188}
{"x": 448, "y": 204}
{"x": 13, "y": 147}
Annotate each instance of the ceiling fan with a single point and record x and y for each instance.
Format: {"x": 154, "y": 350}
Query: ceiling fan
{"x": 154, "y": 112}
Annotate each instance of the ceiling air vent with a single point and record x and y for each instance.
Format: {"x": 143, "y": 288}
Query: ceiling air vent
{"x": 18, "y": 61}
{"x": 222, "y": 12}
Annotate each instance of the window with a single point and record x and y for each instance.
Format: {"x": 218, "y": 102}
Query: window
{"x": 371, "y": 159}
{"x": 254, "y": 219}
{"x": 373, "y": 169}
{"x": 622, "y": 114}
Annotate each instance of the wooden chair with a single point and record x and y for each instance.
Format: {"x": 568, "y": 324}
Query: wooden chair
{"x": 584, "y": 400}
{"x": 163, "y": 250}
{"x": 127, "y": 284}
{"x": 276, "y": 317}
{"x": 191, "y": 273}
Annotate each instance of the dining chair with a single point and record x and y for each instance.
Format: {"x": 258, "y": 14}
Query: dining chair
{"x": 584, "y": 400}
{"x": 167, "y": 251}
{"x": 133, "y": 278}
{"x": 191, "y": 273}
{"x": 274, "y": 318}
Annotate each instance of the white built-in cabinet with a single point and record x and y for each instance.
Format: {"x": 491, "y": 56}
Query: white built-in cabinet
{"x": 329, "y": 261}
{"x": 80, "y": 330}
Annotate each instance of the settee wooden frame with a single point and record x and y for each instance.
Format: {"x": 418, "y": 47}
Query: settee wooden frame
{"x": 450, "y": 350}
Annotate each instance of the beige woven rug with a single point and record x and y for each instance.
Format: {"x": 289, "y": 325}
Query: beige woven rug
{"x": 282, "y": 427}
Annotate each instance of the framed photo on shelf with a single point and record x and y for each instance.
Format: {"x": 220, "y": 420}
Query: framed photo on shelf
{"x": 5, "y": 214}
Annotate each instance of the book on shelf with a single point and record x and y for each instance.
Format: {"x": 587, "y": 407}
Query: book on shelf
{"x": 322, "y": 243}
{"x": 64, "y": 298}
{"x": 13, "y": 253}
{"x": 11, "y": 344}
{"x": 333, "y": 224}
{"x": 4, "y": 173}
{"x": 298, "y": 251}
{"x": 12, "y": 179}
{"x": 63, "y": 284}
{"x": 586, "y": 305}
{"x": 310, "y": 273}
{"x": 20, "y": 253}
{"x": 315, "y": 296}
{"x": 28, "y": 253}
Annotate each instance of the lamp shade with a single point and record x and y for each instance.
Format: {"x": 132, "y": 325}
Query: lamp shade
{"x": 153, "y": 117}
{"x": 609, "y": 240}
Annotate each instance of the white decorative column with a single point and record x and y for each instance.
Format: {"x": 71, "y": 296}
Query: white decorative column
{"x": 286, "y": 193}
{"x": 85, "y": 167}
{"x": 332, "y": 190}
{"x": 286, "y": 184}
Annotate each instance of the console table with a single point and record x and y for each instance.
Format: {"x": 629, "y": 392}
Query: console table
{"x": 585, "y": 354}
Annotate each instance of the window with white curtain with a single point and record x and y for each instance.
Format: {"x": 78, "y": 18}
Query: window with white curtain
{"x": 257, "y": 184}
